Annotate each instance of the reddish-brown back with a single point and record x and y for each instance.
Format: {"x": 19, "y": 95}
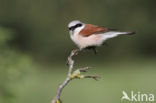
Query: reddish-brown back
{"x": 92, "y": 29}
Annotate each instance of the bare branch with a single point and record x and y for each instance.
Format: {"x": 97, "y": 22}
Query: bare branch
{"x": 85, "y": 69}
{"x": 95, "y": 77}
{"x": 71, "y": 61}
{"x": 72, "y": 75}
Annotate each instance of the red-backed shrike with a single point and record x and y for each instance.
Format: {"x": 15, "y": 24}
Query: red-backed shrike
{"x": 87, "y": 35}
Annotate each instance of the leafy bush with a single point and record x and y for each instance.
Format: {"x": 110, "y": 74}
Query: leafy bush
{"x": 14, "y": 66}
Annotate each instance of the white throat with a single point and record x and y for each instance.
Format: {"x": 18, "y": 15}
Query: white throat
{"x": 76, "y": 31}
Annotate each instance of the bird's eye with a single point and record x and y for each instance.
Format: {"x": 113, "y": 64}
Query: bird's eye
{"x": 70, "y": 28}
{"x": 79, "y": 25}
{"x": 74, "y": 27}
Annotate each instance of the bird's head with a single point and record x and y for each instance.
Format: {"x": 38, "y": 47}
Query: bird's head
{"x": 75, "y": 27}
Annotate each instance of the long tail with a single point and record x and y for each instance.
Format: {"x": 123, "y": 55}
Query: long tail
{"x": 112, "y": 34}
{"x": 128, "y": 33}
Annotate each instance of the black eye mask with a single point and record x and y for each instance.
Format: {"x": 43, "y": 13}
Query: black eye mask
{"x": 74, "y": 27}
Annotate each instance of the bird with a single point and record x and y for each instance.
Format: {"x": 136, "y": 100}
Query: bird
{"x": 88, "y": 36}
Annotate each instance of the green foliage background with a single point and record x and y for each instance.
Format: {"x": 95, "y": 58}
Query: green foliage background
{"x": 34, "y": 44}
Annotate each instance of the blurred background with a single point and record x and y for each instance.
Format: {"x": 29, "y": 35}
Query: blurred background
{"x": 34, "y": 45}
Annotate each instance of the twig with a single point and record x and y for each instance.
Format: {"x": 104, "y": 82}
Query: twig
{"x": 72, "y": 75}
{"x": 71, "y": 61}
{"x": 95, "y": 77}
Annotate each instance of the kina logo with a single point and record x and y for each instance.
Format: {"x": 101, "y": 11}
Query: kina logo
{"x": 138, "y": 96}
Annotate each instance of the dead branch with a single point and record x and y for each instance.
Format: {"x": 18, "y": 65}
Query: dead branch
{"x": 72, "y": 75}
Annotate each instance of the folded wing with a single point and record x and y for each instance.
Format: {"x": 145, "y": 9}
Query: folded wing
{"x": 93, "y": 29}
